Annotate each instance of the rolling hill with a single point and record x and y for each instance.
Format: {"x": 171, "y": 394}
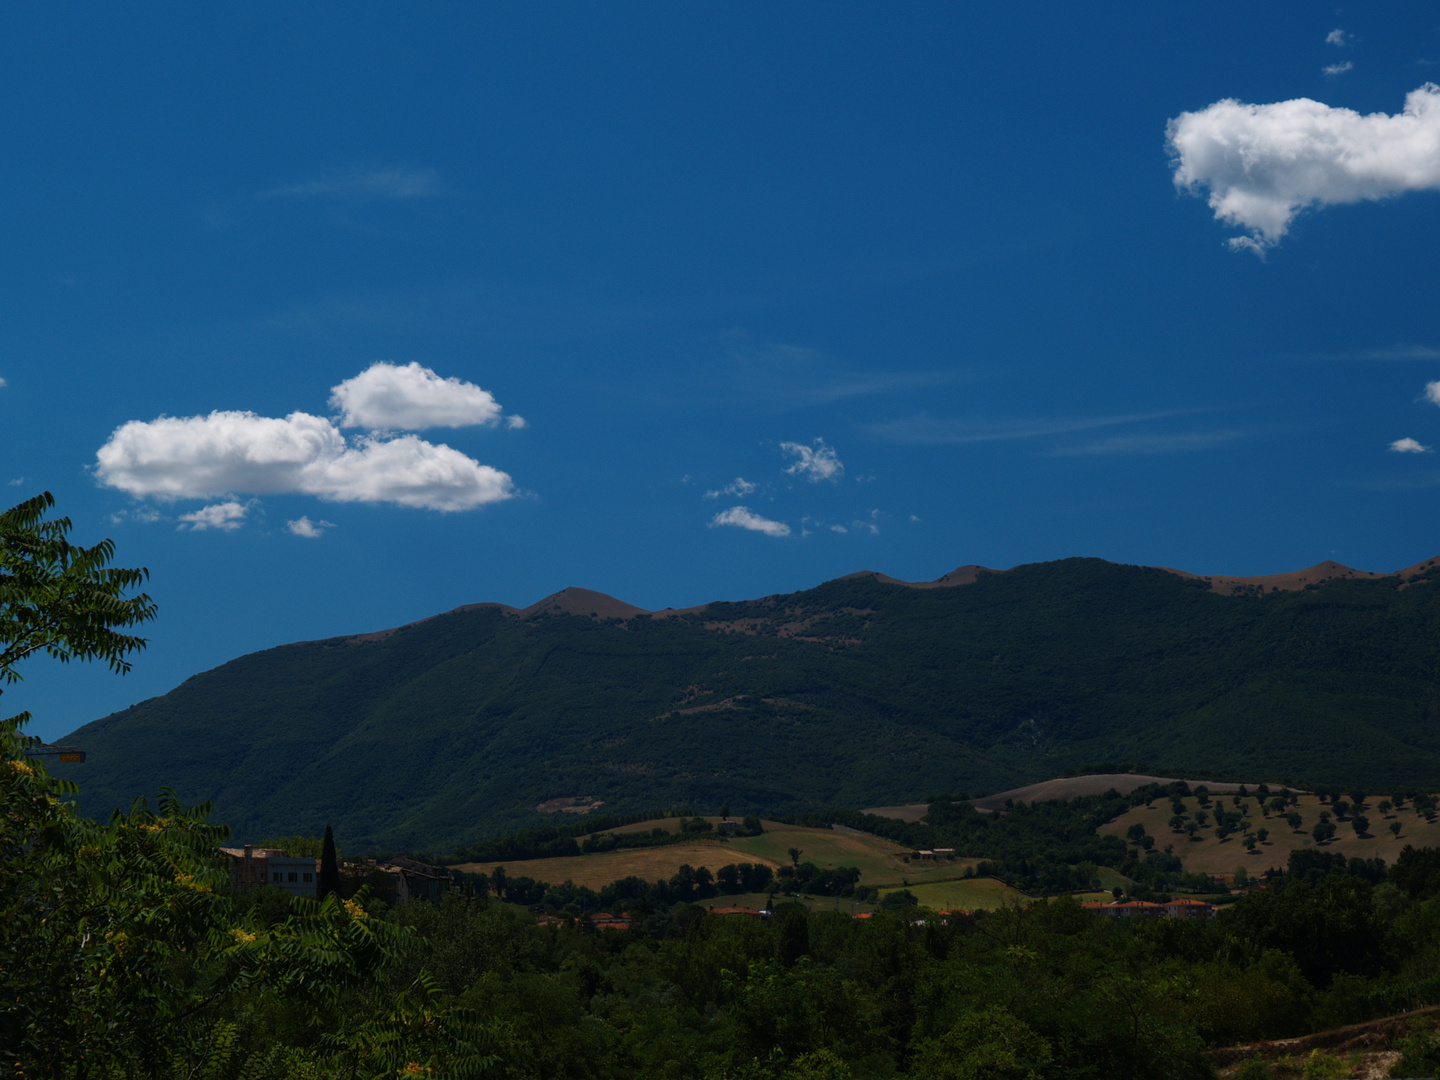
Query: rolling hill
{"x": 862, "y": 691}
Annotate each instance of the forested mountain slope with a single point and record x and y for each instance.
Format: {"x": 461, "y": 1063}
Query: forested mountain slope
{"x": 860, "y": 692}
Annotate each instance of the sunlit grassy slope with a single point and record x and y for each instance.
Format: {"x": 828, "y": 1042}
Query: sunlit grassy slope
{"x": 880, "y": 862}
{"x": 972, "y": 894}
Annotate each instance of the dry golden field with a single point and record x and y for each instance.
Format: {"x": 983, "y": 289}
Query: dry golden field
{"x": 1208, "y": 855}
{"x": 881, "y": 863}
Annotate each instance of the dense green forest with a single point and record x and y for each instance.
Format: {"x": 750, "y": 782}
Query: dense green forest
{"x": 855, "y": 693}
{"x": 126, "y": 954}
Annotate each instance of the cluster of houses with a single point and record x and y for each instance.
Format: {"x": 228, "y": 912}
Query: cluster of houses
{"x": 393, "y": 879}
{"x": 251, "y": 867}
{"x": 601, "y": 920}
{"x": 1183, "y": 908}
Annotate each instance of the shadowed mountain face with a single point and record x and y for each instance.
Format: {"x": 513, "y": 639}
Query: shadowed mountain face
{"x": 863, "y": 691}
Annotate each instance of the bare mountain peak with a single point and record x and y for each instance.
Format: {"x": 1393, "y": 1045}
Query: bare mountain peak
{"x": 578, "y": 601}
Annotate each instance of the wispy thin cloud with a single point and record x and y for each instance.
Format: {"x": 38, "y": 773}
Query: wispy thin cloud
{"x": 1153, "y": 443}
{"x": 1398, "y": 483}
{"x": 363, "y": 186}
{"x": 1338, "y": 69}
{"x": 739, "y": 487}
{"x": 1401, "y": 352}
{"x": 1337, "y": 37}
{"x": 799, "y": 376}
{"x": 146, "y": 515}
{"x": 923, "y": 429}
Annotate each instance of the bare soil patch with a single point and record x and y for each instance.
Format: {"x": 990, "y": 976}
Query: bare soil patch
{"x": 908, "y": 814}
{"x": 571, "y": 804}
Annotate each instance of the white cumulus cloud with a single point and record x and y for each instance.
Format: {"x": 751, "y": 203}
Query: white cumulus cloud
{"x": 744, "y": 518}
{"x": 1263, "y": 164}
{"x": 815, "y": 463}
{"x": 226, "y": 516}
{"x": 1338, "y": 69}
{"x": 1337, "y": 37}
{"x": 303, "y": 526}
{"x": 1432, "y": 392}
{"x": 739, "y": 486}
{"x": 204, "y": 456}
{"x": 1408, "y": 446}
{"x": 413, "y": 398}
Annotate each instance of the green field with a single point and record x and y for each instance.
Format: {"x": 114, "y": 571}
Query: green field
{"x": 881, "y": 862}
{"x": 970, "y": 893}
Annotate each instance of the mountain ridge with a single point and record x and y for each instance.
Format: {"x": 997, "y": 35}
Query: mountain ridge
{"x": 857, "y": 692}
{"x": 575, "y": 600}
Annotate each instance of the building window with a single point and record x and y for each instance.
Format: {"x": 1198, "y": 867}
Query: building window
{"x": 277, "y": 876}
{"x": 309, "y": 878}
{"x": 292, "y": 875}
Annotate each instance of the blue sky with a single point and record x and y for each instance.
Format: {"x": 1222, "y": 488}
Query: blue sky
{"x": 337, "y": 321}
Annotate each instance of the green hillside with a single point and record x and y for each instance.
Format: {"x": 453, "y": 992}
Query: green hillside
{"x": 855, "y": 693}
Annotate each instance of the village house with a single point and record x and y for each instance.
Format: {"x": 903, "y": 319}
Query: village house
{"x": 1182, "y": 908}
{"x": 603, "y": 920}
{"x": 411, "y": 879}
{"x": 749, "y": 913}
{"x": 251, "y": 867}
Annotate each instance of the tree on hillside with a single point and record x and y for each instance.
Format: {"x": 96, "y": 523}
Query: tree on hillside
{"x": 795, "y": 854}
{"x": 295, "y": 846}
{"x": 329, "y": 882}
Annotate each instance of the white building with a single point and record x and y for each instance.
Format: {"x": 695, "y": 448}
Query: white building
{"x": 297, "y": 876}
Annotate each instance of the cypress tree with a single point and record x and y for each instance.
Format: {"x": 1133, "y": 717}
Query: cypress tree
{"x": 329, "y": 866}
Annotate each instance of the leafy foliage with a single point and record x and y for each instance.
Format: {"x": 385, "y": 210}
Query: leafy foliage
{"x": 123, "y": 954}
